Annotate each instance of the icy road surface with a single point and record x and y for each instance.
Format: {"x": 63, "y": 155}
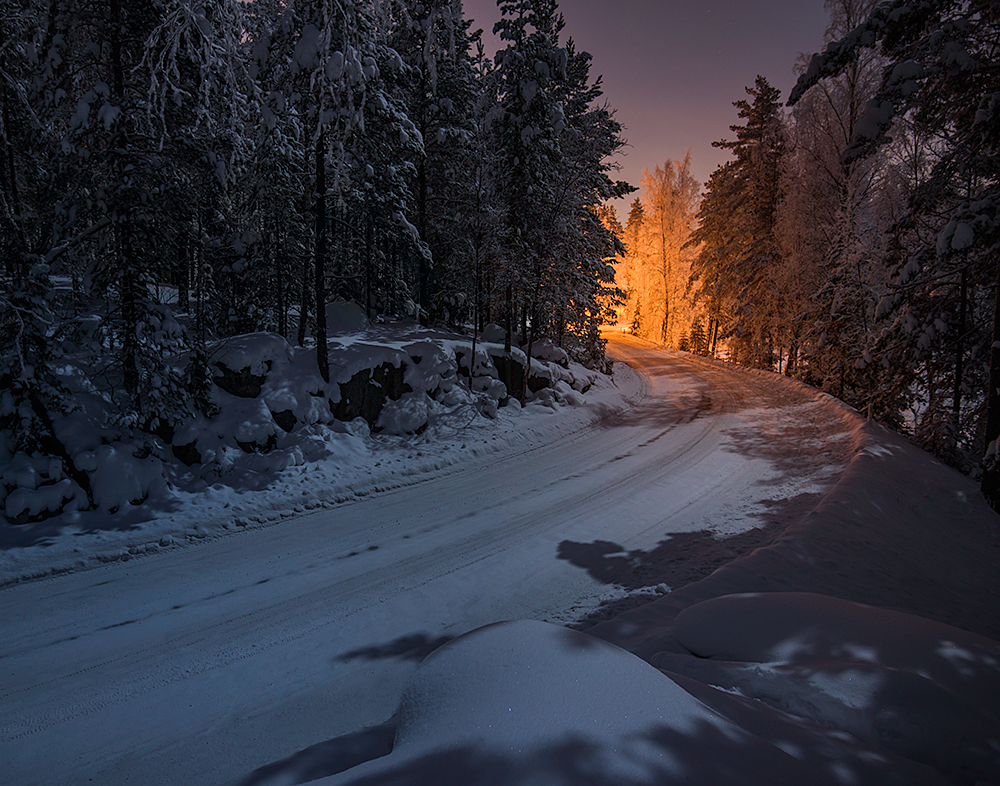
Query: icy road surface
{"x": 203, "y": 664}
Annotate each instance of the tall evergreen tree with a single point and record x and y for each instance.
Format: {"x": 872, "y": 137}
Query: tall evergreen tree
{"x": 737, "y": 223}
{"x": 529, "y": 121}
{"x": 109, "y": 187}
{"x": 554, "y": 141}
{"x": 434, "y": 40}
{"x": 325, "y": 63}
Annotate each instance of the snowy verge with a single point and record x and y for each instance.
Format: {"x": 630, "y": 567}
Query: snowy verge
{"x": 898, "y": 530}
{"x": 404, "y": 402}
{"x": 921, "y": 689}
{"x": 531, "y": 703}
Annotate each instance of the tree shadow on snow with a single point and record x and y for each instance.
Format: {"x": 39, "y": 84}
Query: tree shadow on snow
{"x": 47, "y": 532}
{"x": 797, "y": 449}
{"x": 677, "y": 560}
{"x": 662, "y": 756}
{"x": 414, "y": 646}
{"x": 657, "y": 412}
{"x": 326, "y": 758}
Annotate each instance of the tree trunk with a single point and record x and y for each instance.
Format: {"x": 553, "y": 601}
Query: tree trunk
{"x": 477, "y": 309}
{"x": 423, "y": 273}
{"x": 509, "y": 318}
{"x": 530, "y": 338}
{"x": 369, "y": 240}
{"x": 303, "y": 304}
{"x": 956, "y": 399}
{"x": 991, "y": 461}
{"x": 8, "y": 182}
{"x": 281, "y": 289}
{"x": 322, "y": 359}
{"x": 130, "y": 318}
{"x": 117, "y": 67}
{"x": 198, "y": 279}
{"x": 183, "y": 273}
{"x": 524, "y": 321}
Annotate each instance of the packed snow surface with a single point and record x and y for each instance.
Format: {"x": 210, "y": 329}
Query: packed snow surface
{"x": 782, "y": 594}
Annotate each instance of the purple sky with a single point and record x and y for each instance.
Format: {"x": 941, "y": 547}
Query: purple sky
{"x": 673, "y": 69}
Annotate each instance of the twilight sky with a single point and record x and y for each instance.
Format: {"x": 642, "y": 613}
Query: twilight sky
{"x": 673, "y": 69}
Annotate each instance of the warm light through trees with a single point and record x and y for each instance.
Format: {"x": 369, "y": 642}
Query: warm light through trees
{"x": 657, "y": 267}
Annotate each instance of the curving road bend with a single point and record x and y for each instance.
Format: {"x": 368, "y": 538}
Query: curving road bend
{"x": 202, "y": 665}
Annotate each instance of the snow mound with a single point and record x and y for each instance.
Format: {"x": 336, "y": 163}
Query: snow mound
{"x": 528, "y": 703}
{"x": 343, "y": 316}
{"x": 255, "y": 352}
{"x": 922, "y": 689}
{"x": 493, "y": 333}
{"x": 408, "y": 415}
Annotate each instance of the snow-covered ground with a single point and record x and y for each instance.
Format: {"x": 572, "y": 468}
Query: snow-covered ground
{"x": 294, "y": 647}
{"x": 447, "y": 416}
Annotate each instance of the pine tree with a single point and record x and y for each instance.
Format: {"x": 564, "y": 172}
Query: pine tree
{"x": 17, "y": 132}
{"x": 529, "y": 121}
{"x": 736, "y": 230}
{"x": 108, "y": 192}
{"x": 325, "y": 65}
{"x": 554, "y": 141}
{"x": 434, "y": 40}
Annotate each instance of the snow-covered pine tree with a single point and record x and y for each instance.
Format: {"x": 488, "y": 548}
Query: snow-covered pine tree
{"x": 627, "y": 274}
{"x": 325, "y": 62}
{"x": 105, "y": 181}
{"x": 276, "y": 205}
{"x": 30, "y": 389}
{"x": 941, "y": 75}
{"x": 18, "y": 130}
{"x": 581, "y": 288}
{"x": 528, "y": 121}
{"x": 440, "y": 97}
{"x": 554, "y": 141}
{"x": 197, "y": 110}
{"x": 485, "y": 212}
{"x": 736, "y": 230}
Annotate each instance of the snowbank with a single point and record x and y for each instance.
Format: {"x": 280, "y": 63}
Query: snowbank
{"x": 532, "y": 703}
{"x": 402, "y": 401}
{"x": 926, "y": 691}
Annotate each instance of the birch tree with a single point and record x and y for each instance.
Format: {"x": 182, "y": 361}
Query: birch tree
{"x": 662, "y": 261}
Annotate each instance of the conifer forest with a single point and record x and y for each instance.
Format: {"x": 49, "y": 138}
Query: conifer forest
{"x": 177, "y": 172}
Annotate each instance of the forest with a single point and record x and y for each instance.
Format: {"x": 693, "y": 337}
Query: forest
{"x": 175, "y": 172}
{"x": 851, "y": 240}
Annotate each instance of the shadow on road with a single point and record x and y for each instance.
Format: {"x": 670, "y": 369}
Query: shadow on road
{"x": 326, "y": 758}
{"x": 415, "y": 646}
{"x": 664, "y": 755}
{"x": 677, "y": 560}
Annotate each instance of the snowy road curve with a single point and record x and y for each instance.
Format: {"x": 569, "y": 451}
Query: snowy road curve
{"x": 203, "y": 664}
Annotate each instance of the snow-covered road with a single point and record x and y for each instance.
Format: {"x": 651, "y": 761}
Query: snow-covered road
{"x": 203, "y": 664}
